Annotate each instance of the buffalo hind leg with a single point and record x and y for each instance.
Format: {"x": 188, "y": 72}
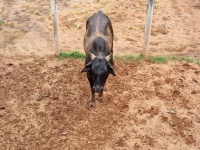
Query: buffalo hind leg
{"x": 91, "y": 103}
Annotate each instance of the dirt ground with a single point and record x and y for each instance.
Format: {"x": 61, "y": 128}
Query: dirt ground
{"x": 28, "y": 26}
{"x": 146, "y": 106}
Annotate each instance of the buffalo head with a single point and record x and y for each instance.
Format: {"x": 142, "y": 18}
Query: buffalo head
{"x": 98, "y": 69}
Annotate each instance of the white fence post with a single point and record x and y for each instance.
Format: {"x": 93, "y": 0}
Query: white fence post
{"x": 149, "y": 15}
{"x": 54, "y": 13}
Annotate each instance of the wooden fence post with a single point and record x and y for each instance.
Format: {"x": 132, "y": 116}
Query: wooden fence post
{"x": 54, "y": 13}
{"x": 149, "y": 15}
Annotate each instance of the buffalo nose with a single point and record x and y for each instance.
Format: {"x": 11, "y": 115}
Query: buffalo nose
{"x": 98, "y": 89}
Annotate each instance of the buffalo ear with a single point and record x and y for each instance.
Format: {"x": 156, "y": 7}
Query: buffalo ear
{"x": 111, "y": 69}
{"x": 87, "y": 67}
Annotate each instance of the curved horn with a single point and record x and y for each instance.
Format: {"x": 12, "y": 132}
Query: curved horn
{"x": 108, "y": 57}
{"x": 92, "y": 56}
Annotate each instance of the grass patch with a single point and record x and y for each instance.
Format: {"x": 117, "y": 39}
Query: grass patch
{"x": 158, "y": 59}
{"x": 198, "y": 63}
{"x": 188, "y": 60}
{"x": 140, "y": 57}
{"x": 1, "y": 22}
{"x": 172, "y": 58}
{"x": 117, "y": 57}
{"x": 181, "y": 58}
{"x": 128, "y": 57}
{"x": 74, "y": 54}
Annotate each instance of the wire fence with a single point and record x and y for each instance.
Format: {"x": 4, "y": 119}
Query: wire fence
{"x": 26, "y": 26}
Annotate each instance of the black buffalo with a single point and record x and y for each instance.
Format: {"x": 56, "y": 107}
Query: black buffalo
{"x": 98, "y": 46}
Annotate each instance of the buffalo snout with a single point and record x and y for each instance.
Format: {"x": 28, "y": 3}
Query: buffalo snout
{"x": 98, "y": 88}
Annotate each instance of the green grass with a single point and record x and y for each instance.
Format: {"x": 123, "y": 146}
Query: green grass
{"x": 189, "y": 60}
{"x": 181, "y": 58}
{"x": 73, "y": 54}
{"x": 198, "y": 63}
{"x": 185, "y": 59}
{"x": 153, "y": 59}
{"x": 172, "y": 58}
{"x": 129, "y": 57}
{"x": 140, "y": 57}
{"x": 118, "y": 57}
{"x": 1, "y": 22}
{"x": 158, "y": 59}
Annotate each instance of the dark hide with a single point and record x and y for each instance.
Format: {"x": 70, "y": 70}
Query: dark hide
{"x": 98, "y": 46}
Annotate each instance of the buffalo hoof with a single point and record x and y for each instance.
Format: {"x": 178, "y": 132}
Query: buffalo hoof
{"x": 100, "y": 100}
{"x": 90, "y": 105}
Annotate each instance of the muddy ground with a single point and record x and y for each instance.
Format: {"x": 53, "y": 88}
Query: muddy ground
{"x": 146, "y": 106}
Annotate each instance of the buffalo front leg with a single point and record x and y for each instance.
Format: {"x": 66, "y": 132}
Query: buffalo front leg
{"x": 100, "y": 98}
{"x": 91, "y": 103}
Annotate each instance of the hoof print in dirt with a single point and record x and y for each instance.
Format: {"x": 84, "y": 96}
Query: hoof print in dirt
{"x": 39, "y": 97}
{"x": 10, "y": 64}
{"x": 42, "y": 95}
{"x": 100, "y": 100}
{"x": 172, "y": 123}
{"x": 2, "y": 107}
{"x": 90, "y": 105}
